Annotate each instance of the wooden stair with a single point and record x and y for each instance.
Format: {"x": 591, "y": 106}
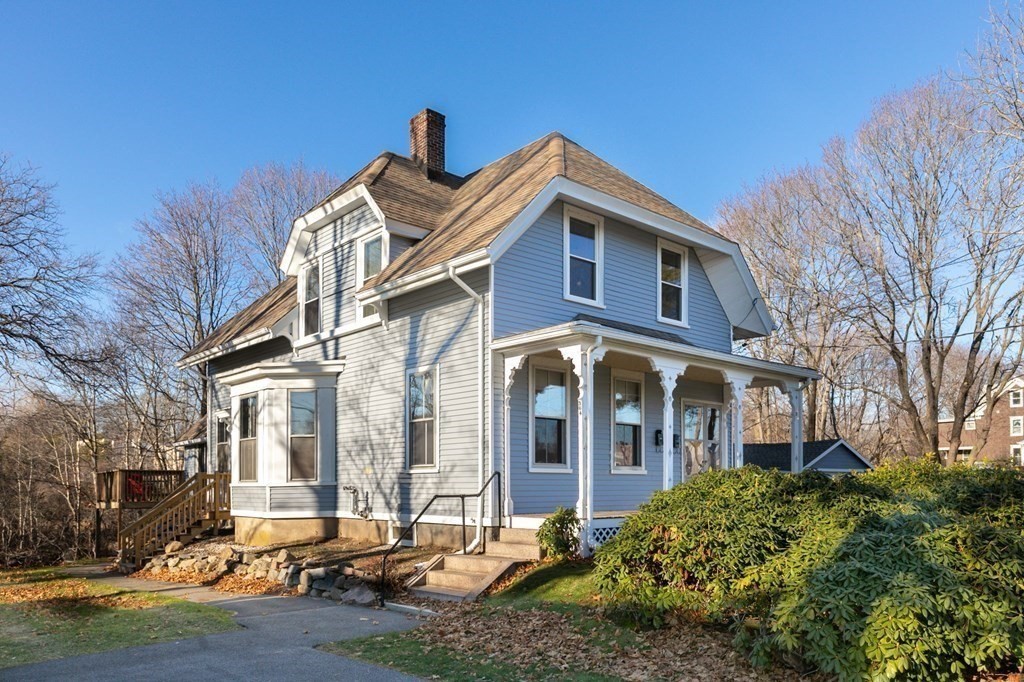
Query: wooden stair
{"x": 196, "y": 507}
{"x": 464, "y": 577}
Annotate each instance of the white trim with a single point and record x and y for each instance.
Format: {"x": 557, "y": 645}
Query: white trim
{"x": 684, "y": 279}
{"x": 556, "y": 335}
{"x": 636, "y": 377}
{"x": 423, "y": 278}
{"x": 405, "y": 229}
{"x": 724, "y": 459}
{"x": 344, "y": 330}
{"x": 385, "y": 248}
{"x": 304, "y": 226}
{"x": 842, "y": 441}
{"x": 236, "y": 438}
{"x": 336, "y": 514}
{"x": 568, "y": 212}
{"x": 1019, "y": 395}
{"x": 251, "y": 339}
{"x": 1019, "y": 420}
{"x": 298, "y": 370}
{"x": 558, "y": 366}
{"x": 408, "y": 468}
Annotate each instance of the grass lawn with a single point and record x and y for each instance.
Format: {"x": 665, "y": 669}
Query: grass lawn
{"x": 45, "y": 614}
{"x": 546, "y": 625}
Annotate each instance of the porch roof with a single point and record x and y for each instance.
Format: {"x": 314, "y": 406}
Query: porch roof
{"x": 655, "y": 343}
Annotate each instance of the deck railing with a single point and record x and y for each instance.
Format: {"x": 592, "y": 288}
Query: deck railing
{"x": 195, "y": 506}
{"x": 135, "y": 488}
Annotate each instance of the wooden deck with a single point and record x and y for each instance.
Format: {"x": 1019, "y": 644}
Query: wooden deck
{"x": 135, "y": 488}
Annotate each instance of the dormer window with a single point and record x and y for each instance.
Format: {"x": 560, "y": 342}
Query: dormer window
{"x": 310, "y": 304}
{"x": 370, "y": 261}
{"x": 583, "y": 239}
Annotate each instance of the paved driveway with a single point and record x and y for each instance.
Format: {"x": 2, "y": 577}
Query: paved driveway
{"x": 275, "y": 643}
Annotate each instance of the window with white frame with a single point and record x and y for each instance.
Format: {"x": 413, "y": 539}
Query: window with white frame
{"x": 970, "y": 425}
{"x": 223, "y": 444}
{"x": 1017, "y": 426}
{"x": 1015, "y": 455}
{"x": 248, "y": 440}
{"x": 627, "y": 434}
{"x": 1016, "y": 398}
{"x": 673, "y": 269}
{"x": 583, "y": 235}
{"x": 369, "y": 263}
{"x": 421, "y": 426}
{"x": 310, "y": 290}
{"x": 302, "y": 448}
{"x": 550, "y": 409}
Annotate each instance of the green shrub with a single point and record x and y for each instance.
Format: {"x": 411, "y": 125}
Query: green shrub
{"x": 910, "y": 572}
{"x": 559, "y": 535}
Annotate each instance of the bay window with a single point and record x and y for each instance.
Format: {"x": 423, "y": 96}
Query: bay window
{"x": 223, "y": 444}
{"x": 248, "y": 439}
{"x": 302, "y": 450}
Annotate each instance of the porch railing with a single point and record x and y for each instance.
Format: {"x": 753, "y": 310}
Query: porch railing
{"x": 382, "y": 585}
{"x": 135, "y": 488}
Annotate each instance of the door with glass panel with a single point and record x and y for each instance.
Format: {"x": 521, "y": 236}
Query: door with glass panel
{"x": 702, "y": 428}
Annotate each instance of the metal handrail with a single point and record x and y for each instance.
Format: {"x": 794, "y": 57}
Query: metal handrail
{"x": 382, "y": 587}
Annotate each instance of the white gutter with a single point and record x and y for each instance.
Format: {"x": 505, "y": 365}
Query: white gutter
{"x": 251, "y": 339}
{"x": 482, "y": 473}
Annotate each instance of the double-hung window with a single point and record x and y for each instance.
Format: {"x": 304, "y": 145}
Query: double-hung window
{"x": 302, "y": 435}
{"x": 1015, "y": 455}
{"x": 421, "y": 427}
{"x": 673, "y": 268}
{"x": 1016, "y": 398}
{"x": 550, "y": 419}
{"x": 627, "y": 435}
{"x": 248, "y": 440}
{"x": 970, "y": 424}
{"x": 310, "y": 289}
{"x": 583, "y": 237}
{"x": 1017, "y": 426}
{"x": 370, "y": 261}
{"x": 223, "y": 444}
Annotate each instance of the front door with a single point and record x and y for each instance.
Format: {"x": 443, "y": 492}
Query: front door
{"x": 702, "y": 428}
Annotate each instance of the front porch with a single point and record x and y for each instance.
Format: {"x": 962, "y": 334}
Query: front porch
{"x": 598, "y": 418}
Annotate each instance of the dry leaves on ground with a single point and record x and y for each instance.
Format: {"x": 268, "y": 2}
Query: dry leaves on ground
{"x": 549, "y": 639}
{"x": 188, "y": 577}
{"x": 61, "y": 596}
{"x": 238, "y": 584}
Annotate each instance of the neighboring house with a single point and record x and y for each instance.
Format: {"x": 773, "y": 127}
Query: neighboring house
{"x": 545, "y": 317}
{"x": 834, "y": 456}
{"x": 1005, "y": 442}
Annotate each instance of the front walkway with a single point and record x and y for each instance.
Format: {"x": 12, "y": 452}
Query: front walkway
{"x": 276, "y": 641}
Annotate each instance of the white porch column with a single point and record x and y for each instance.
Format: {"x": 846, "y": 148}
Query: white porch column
{"x": 796, "y": 426}
{"x": 669, "y": 373}
{"x": 513, "y": 363}
{"x": 738, "y": 383}
{"x": 582, "y": 361}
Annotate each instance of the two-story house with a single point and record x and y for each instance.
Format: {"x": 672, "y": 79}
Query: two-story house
{"x": 1005, "y": 440}
{"x": 545, "y": 318}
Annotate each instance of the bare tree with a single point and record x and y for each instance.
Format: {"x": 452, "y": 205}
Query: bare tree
{"x": 927, "y": 212}
{"x": 43, "y": 288}
{"x": 265, "y": 202}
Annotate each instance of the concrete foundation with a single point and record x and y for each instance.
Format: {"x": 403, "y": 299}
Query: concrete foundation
{"x": 255, "y": 531}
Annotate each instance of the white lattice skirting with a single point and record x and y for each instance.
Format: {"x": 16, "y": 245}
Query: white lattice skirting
{"x": 602, "y": 531}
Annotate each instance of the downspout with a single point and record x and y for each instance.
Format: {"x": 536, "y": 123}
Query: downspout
{"x": 480, "y": 405}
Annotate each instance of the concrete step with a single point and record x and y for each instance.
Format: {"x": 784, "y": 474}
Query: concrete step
{"x": 447, "y": 577}
{"x": 438, "y": 592}
{"x": 526, "y": 536}
{"x": 473, "y": 563}
{"x": 516, "y": 551}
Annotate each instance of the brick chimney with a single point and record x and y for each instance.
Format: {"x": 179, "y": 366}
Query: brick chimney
{"x": 426, "y": 140}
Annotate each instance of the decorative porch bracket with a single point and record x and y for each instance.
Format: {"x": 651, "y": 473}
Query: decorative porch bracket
{"x": 669, "y": 372}
{"x": 796, "y": 424}
{"x": 513, "y": 363}
{"x": 738, "y": 383}
{"x": 582, "y": 360}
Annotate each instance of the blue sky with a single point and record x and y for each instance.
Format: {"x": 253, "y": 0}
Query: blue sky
{"x": 116, "y": 101}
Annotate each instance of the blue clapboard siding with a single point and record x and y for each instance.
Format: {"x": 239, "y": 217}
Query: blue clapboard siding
{"x": 528, "y": 285}
{"x": 249, "y": 498}
{"x": 316, "y": 499}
